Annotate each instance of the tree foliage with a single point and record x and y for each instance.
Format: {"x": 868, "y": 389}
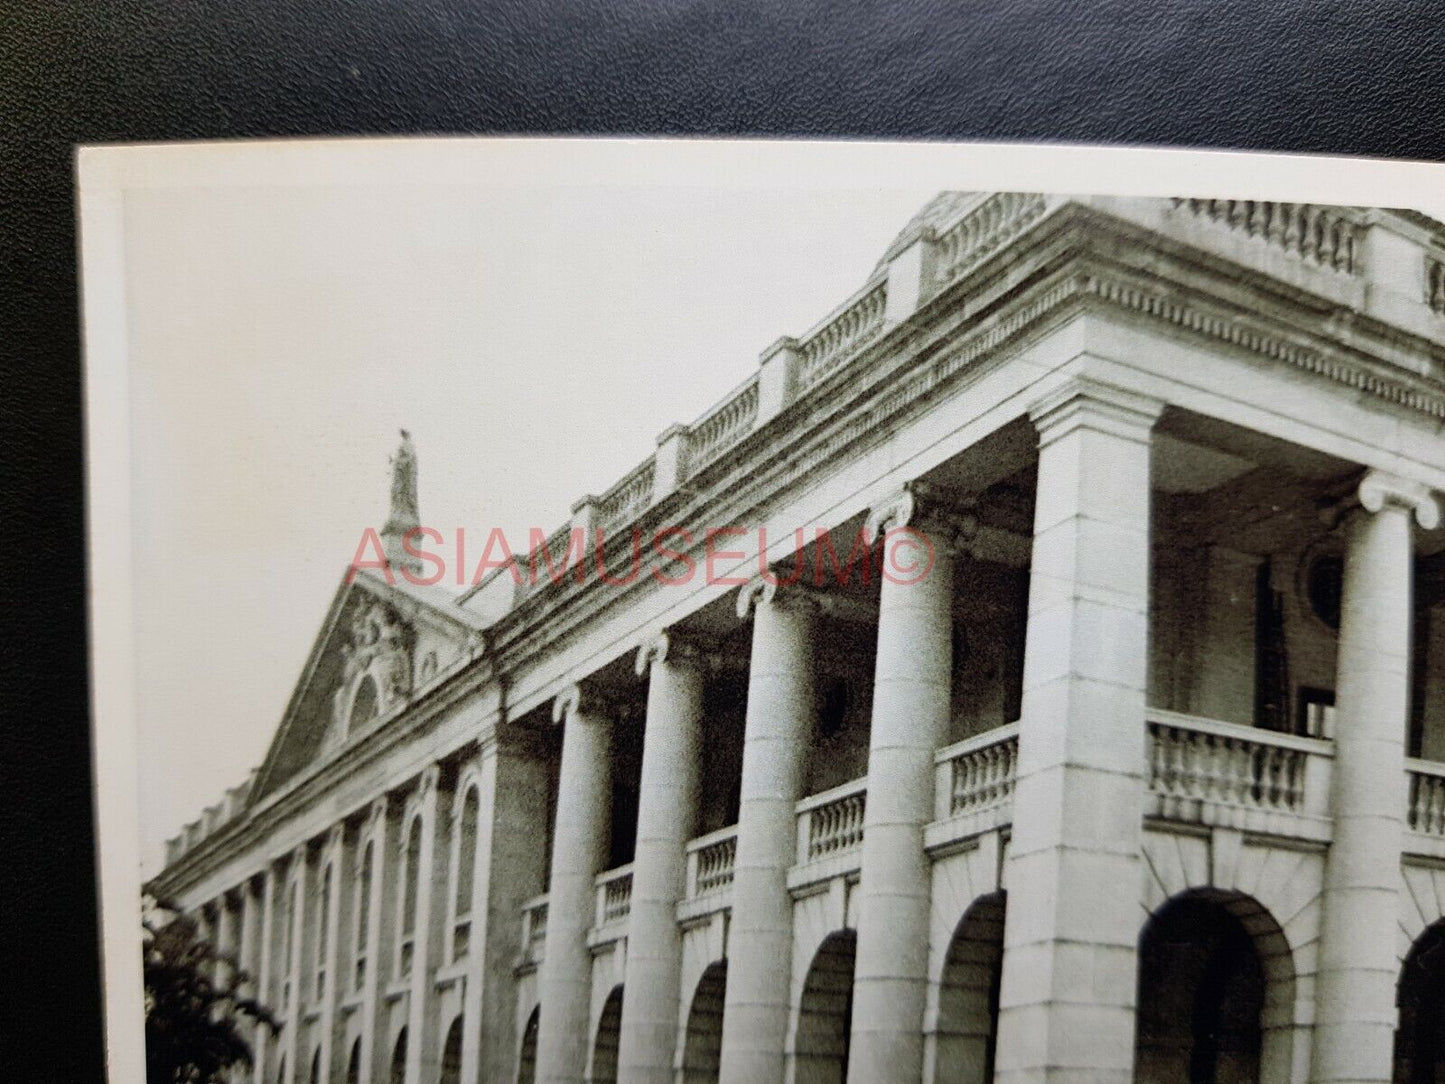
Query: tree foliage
{"x": 194, "y": 1023}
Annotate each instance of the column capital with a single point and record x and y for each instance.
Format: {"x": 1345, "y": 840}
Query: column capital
{"x": 1378, "y": 490}
{"x": 377, "y": 813}
{"x": 949, "y": 523}
{"x": 582, "y": 698}
{"x": 428, "y": 782}
{"x": 770, "y": 589}
{"x": 674, "y": 646}
{"x": 1083, "y": 403}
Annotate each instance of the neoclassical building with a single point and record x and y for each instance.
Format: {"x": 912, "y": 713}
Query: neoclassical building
{"x": 1142, "y": 777}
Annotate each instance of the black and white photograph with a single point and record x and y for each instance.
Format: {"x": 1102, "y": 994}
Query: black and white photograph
{"x": 576, "y": 611}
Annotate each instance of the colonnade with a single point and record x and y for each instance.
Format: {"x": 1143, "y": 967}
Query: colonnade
{"x": 1070, "y": 964}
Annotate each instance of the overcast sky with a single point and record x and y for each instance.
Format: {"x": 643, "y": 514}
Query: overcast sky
{"x": 534, "y": 341}
{"x": 534, "y": 337}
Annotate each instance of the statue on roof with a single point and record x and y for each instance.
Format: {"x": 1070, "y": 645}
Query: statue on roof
{"x": 405, "y": 507}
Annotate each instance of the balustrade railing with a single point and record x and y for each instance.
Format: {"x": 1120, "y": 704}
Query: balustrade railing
{"x": 978, "y": 773}
{"x": 710, "y": 861}
{"x": 614, "y": 895}
{"x": 722, "y": 426}
{"x": 1427, "y": 797}
{"x": 1198, "y": 763}
{"x": 831, "y": 823}
{"x": 983, "y": 230}
{"x": 1327, "y": 236}
{"x": 844, "y": 333}
{"x": 628, "y": 499}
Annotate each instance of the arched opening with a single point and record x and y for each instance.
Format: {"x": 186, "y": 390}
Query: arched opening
{"x": 1420, "y": 1038}
{"x": 316, "y": 1066}
{"x": 527, "y": 1057}
{"x": 702, "y": 1042}
{"x": 466, "y": 844}
{"x": 364, "y": 705}
{"x": 825, "y": 1013}
{"x": 411, "y": 871}
{"x": 281, "y": 1070}
{"x": 353, "y": 1064}
{"x": 452, "y": 1054}
{"x": 363, "y": 916}
{"x": 323, "y": 933}
{"x": 604, "y": 1047}
{"x": 967, "y": 1028}
{"x": 1215, "y": 995}
{"x": 398, "y": 1059}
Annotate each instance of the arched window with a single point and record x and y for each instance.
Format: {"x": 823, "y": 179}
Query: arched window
{"x": 353, "y": 1066}
{"x": 1216, "y": 980}
{"x": 316, "y": 1067}
{"x": 452, "y": 1054}
{"x": 966, "y": 1034}
{"x": 1420, "y": 1040}
{"x": 289, "y": 914}
{"x": 604, "y": 1046}
{"x": 363, "y": 913}
{"x": 702, "y": 1041}
{"x": 466, "y": 872}
{"x": 527, "y": 1057}
{"x": 825, "y": 1014}
{"x": 323, "y": 933}
{"x": 365, "y": 705}
{"x": 411, "y": 860}
{"x": 398, "y": 1059}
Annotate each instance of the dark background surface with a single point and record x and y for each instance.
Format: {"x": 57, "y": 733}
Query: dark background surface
{"x": 1359, "y": 78}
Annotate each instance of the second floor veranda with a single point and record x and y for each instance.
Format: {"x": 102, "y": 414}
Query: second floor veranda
{"x": 1246, "y": 572}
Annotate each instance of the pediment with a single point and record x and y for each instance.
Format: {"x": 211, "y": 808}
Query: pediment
{"x": 379, "y": 646}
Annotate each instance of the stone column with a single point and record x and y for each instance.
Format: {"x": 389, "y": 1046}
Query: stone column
{"x": 478, "y": 942}
{"x": 1355, "y": 1012}
{"x": 912, "y": 689}
{"x": 780, "y": 716}
{"x": 510, "y": 869}
{"x": 579, "y": 850}
{"x": 375, "y": 1055}
{"x": 250, "y": 936}
{"x": 225, "y": 940}
{"x": 265, "y": 982}
{"x": 666, "y": 820}
{"x": 422, "y": 1040}
{"x": 328, "y": 950}
{"x": 1074, "y": 866}
{"x": 298, "y": 888}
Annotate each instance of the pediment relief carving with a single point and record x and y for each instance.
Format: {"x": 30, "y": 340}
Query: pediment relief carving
{"x": 376, "y": 667}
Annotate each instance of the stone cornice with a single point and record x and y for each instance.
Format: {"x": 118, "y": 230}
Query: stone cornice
{"x": 966, "y": 327}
